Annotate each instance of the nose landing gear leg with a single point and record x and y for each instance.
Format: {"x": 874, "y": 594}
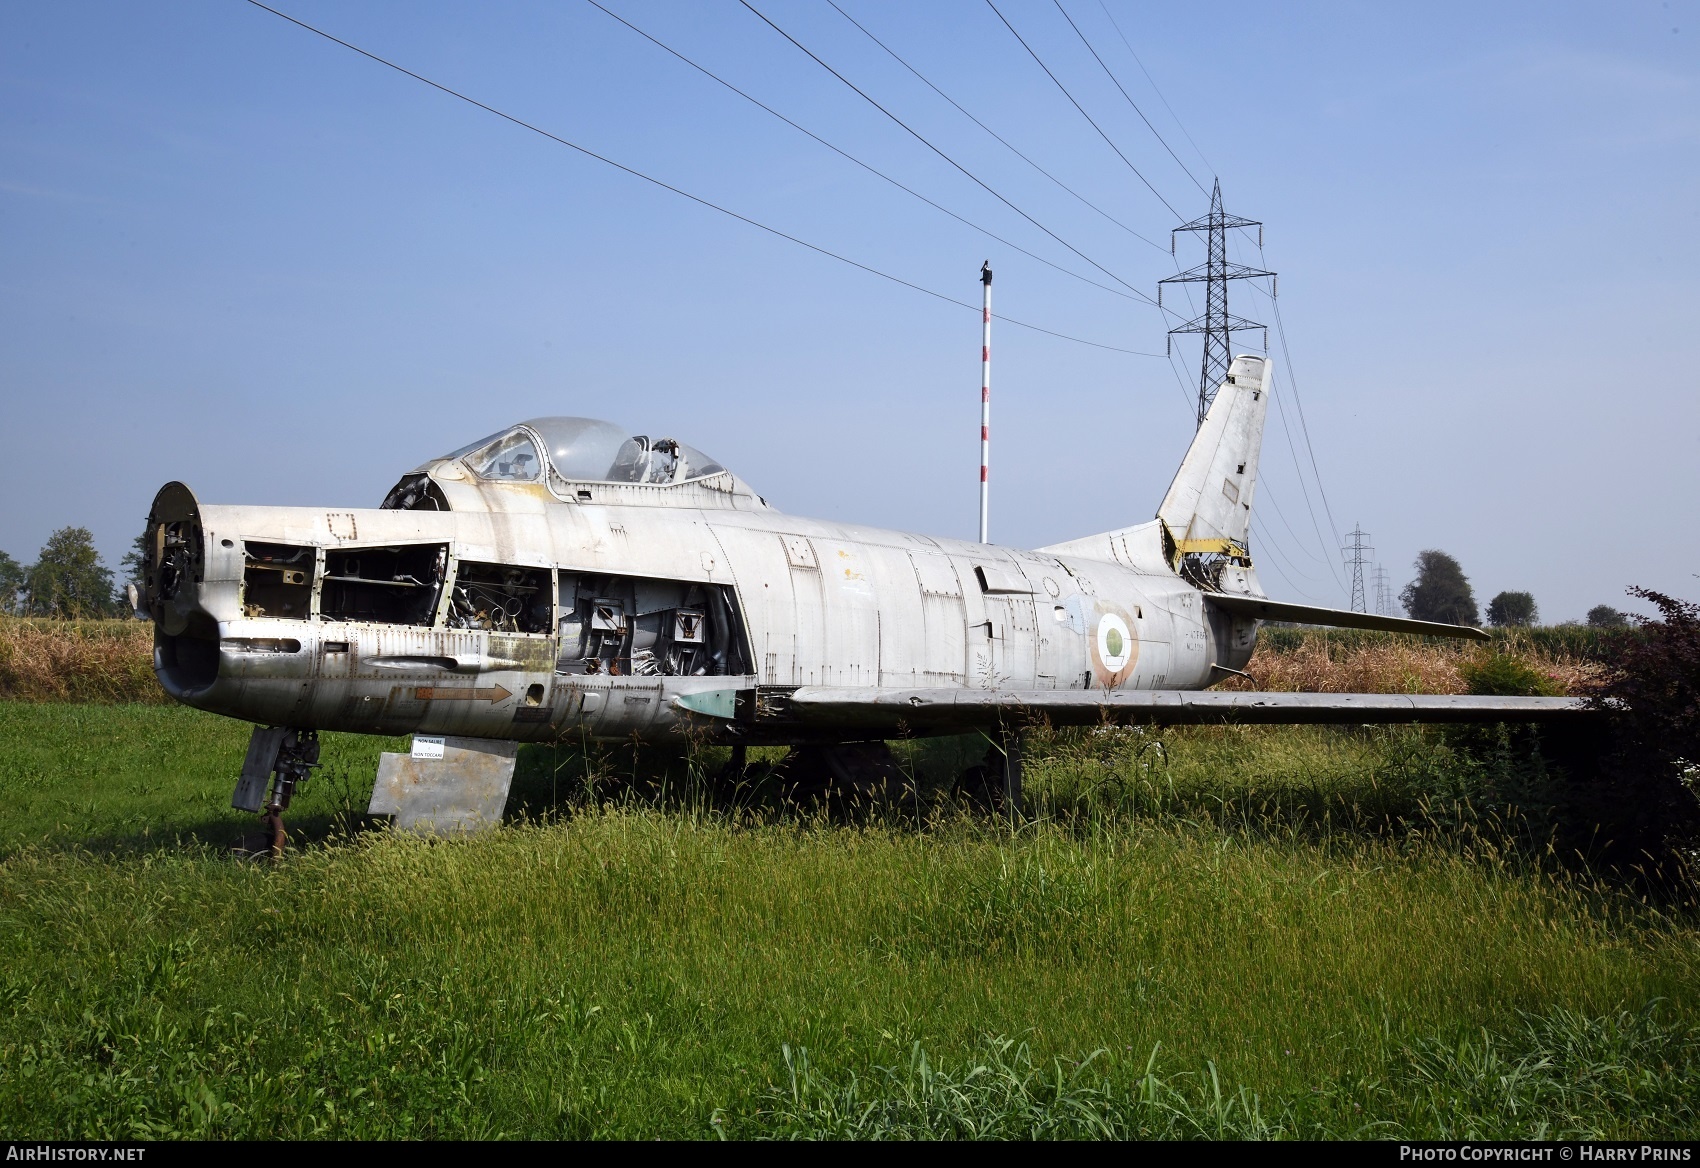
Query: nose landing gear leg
{"x": 281, "y": 758}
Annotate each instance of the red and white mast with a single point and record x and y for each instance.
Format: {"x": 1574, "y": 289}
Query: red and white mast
{"x": 985, "y": 395}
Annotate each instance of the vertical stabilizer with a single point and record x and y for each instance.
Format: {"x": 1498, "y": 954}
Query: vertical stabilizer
{"x": 1208, "y": 507}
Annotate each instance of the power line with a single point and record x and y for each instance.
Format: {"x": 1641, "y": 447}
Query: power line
{"x": 1292, "y": 379}
{"x": 676, "y": 190}
{"x": 921, "y": 139}
{"x": 1264, "y": 493}
{"x": 1000, "y": 138}
{"x": 1298, "y": 470}
{"x": 1124, "y": 93}
{"x": 851, "y": 157}
{"x": 1154, "y": 86}
{"x": 1186, "y": 394}
{"x": 1082, "y": 110}
{"x": 1260, "y": 532}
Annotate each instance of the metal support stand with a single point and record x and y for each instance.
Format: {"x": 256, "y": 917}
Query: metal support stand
{"x": 445, "y": 785}
{"x": 740, "y": 759}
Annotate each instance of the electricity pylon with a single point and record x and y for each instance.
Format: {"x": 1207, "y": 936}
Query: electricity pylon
{"x": 1217, "y": 324}
{"x": 1357, "y": 556}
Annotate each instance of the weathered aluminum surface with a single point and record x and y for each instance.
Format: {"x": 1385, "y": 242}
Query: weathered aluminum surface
{"x": 462, "y": 792}
{"x": 1211, "y": 495}
{"x": 821, "y": 606}
{"x": 931, "y": 709}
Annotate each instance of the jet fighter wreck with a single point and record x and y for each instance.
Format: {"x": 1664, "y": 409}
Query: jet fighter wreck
{"x": 564, "y": 578}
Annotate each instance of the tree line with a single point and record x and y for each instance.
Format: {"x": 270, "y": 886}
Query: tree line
{"x": 1441, "y": 592}
{"x": 68, "y": 580}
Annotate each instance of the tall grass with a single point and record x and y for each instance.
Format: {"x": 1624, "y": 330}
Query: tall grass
{"x": 1335, "y": 661}
{"x": 639, "y": 973}
{"x": 77, "y": 661}
{"x": 1210, "y": 942}
{"x": 1549, "y": 1077}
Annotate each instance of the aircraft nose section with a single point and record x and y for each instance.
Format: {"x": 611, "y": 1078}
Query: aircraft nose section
{"x": 185, "y": 655}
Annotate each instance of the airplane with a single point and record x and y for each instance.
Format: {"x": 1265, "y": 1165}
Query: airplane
{"x": 565, "y": 579}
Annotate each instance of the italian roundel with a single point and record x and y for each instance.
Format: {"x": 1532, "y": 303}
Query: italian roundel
{"x": 1115, "y": 648}
{"x": 1115, "y": 643}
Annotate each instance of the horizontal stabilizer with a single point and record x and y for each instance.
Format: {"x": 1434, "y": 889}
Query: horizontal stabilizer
{"x": 1304, "y": 614}
{"x": 870, "y": 709}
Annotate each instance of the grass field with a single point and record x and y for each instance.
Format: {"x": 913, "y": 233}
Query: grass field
{"x": 1237, "y": 932}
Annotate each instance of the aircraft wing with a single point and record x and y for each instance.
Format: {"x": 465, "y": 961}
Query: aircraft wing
{"x": 888, "y": 712}
{"x": 1304, "y": 614}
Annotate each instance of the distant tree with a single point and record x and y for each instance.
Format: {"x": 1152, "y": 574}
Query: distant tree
{"x": 1512, "y": 609}
{"x": 130, "y": 567}
{"x": 68, "y": 580}
{"x": 130, "y": 571}
{"x": 1604, "y": 616}
{"x": 12, "y": 576}
{"x": 1441, "y": 592}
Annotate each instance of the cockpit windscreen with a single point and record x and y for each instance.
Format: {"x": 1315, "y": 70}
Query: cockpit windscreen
{"x": 585, "y": 450}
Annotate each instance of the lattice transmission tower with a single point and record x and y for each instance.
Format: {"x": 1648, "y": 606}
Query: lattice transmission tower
{"x": 1383, "y": 592}
{"x": 1357, "y": 552}
{"x": 1217, "y": 324}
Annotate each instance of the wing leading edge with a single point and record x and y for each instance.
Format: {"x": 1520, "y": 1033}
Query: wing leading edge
{"x": 1304, "y": 614}
{"x": 869, "y": 709}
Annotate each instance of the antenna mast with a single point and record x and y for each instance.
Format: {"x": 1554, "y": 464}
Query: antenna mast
{"x": 1217, "y": 324}
{"x": 985, "y": 395}
{"x": 1359, "y": 549}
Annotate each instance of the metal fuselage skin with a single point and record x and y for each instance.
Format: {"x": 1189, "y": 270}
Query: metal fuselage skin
{"x": 815, "y": 604}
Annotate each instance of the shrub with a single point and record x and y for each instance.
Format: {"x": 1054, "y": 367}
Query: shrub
{"x": 1504, "y": 676}
{"x": 1642, "y": 799}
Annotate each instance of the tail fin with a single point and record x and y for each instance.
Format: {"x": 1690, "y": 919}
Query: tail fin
{"x": 1208, "y": 507}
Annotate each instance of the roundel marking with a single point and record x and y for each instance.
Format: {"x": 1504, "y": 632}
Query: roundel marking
{"x": 1115, "y": 643}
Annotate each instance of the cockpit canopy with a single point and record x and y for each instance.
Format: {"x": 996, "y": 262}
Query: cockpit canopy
{"x": 583, "y": 450}
{"x": 567, "y": 458}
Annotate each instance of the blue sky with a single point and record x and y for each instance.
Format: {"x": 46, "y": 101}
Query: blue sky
{"x": 236, "y": 254}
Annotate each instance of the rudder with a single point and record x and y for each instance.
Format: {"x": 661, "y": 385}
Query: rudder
{"x": 1208, "y": 506}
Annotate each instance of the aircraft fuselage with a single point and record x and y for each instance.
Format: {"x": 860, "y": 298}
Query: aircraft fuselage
{"x": 587, "y": 618}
